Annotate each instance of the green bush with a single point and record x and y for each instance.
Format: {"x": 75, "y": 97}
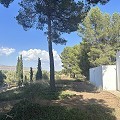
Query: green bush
{"x": 45, "y": 75}
{"x": 30, "y": 91}
{"x": 25, "y": 110}
{"x": 11, "y": 95}
{"x": 57, "y": 77}
{"x": 2, "y": 77}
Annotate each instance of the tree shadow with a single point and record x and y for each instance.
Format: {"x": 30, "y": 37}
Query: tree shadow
{"x": 97, "y": 109}
{"x": 78, "y": 86}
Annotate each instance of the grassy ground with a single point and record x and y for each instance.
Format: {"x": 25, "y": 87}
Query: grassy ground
{"x": 36, "y": 102}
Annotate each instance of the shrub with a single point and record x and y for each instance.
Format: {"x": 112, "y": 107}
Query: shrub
{"x": 2, "y": 77}
{"x": 25, "y": 110}
{"x": 45, "y": 75}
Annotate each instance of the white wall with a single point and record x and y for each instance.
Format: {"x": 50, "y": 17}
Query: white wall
{"x": 96, "y": 76}
{"x": 106, "y": 76}
{"x": 118, "y": 70}
{"x": 103, "y": 77}
{"x": 91, "y": 75}
{"x": 109, "y": 77}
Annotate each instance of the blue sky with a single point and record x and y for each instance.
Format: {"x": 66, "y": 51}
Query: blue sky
{"x": 14, "y": 40}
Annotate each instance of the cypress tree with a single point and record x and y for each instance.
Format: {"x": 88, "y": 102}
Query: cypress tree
{"x": 2, "y": 77}
{"x": 39, "y": 71}
{"x": 31, "y": 75}
{"x": 19, "y": 70}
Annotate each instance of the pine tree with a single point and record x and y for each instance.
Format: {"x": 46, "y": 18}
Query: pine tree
{"x": 39, "y": 71}
{"x": 69, "y": 58}
{"x": 31, "y": 75}
{"x": 84, "y": 63}
{"x": 57, "y": 16}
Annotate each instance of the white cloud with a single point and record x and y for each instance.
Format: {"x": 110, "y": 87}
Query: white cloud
{"x": 33, "y": 54}
{"x": 6, "y": 51}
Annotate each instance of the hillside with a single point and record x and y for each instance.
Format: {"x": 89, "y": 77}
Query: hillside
{"x": 13, "y": 68}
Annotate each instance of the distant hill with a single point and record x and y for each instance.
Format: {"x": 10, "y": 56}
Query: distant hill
{"x": 13, "y": 68}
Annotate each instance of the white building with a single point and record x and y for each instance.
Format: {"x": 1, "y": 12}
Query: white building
{"x": 106, "y": 77}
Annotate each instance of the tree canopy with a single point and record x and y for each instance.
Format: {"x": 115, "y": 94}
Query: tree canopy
{"x": 100, "y": 34}
{"x": 6, "y": 3}
{"x": 38, "y": 13}
{"x": 70, "y": 60}
{"x": 100, "y": 27}
{"x": 94, "y": 2}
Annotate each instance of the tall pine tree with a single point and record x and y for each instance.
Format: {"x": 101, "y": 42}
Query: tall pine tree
{"x": 39, "y": 71}
{"x": 56, "y": 16}
{"x": 84, "y": 63}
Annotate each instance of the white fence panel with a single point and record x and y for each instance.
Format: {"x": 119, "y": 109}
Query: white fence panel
{"x": 118, "y": 70}
{"x": 104, "y": 77}
{"x": 109, "y": 77}
{"x": 96, "y": 76}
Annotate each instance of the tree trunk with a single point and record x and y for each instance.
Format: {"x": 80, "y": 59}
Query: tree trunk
{"x": 52, "y": 77}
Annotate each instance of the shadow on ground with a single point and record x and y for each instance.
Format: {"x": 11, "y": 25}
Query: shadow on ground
{"x": 78, "y": 86}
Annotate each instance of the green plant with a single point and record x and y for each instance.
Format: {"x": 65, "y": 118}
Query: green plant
{"x": 45, "y": 75}
{"x": 26, "y": 110}
{"x": 2, "y": 77}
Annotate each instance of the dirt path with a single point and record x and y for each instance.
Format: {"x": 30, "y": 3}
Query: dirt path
{"x": 86, "y": 94}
